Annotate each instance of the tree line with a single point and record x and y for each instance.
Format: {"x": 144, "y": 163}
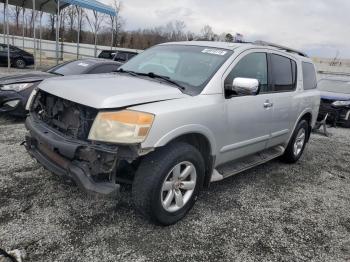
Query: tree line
{"x": 101, "y": 29}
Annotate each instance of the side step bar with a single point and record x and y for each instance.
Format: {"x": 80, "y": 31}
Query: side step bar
{"x": 242, "y": 164}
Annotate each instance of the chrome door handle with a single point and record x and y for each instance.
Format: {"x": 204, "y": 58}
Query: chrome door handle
{"x": 268, "y": 105}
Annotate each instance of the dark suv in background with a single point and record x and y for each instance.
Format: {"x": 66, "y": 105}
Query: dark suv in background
{"x": 119, "y": 56}
{"x": 18, "y": 57}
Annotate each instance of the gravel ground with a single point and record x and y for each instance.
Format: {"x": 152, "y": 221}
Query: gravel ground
{"x": 274, "y": 212}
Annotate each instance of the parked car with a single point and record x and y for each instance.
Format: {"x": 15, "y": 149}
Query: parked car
{"x": 15, "y": 89}
{"x": 119, "y": 56}
{"x": 335, "y": 100}
{"x": 174, "y": 119}
{"x": 18, "y": 57}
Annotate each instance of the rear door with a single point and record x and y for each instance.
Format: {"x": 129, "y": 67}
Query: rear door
{"x": 283, "y": 89}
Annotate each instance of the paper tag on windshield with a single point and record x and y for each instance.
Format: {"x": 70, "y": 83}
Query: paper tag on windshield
{"x": 83, "y": 64}
{"x": 214, "y": 51}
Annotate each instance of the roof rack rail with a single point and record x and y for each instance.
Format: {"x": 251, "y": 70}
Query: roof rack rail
{"x": 259, "y": 42}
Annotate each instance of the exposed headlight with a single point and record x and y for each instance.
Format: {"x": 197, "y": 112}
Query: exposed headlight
{"x": 124, "y": 126}
{"x": 16, "y": 87}
{"x": 341, "y": 103}
{"x": 31, "y": 98}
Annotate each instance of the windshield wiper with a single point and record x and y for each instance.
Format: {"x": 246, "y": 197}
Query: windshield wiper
{"x": 121, "y": 70}
{"x": 54, "y": 73}
{"x": 152, "y": 75}
{"x": 165, "y": 78}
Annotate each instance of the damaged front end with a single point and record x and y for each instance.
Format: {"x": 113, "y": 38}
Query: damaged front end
{"x": 57, "y": 138}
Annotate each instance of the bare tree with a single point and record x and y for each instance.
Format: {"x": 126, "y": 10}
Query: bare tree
{"x": 71, "y": 15}
{"x": 52, "y": 19}
{"x": 179, "y": 27}
{"x": 63, "y": 19}
{"x": 207, "y": 33}
{"x": 115, "y": 22}
{"x": 95, "y": 25}
{"x": 81, "y": 14}
{"x": 16, "y": 12}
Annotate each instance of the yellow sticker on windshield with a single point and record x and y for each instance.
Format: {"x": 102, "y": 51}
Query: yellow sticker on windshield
{"x": 214, "y": 51}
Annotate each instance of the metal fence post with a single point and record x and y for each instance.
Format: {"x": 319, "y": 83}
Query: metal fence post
{"x": 57, "y": 29}
{"x": 78, "y": 37}
{"x": 34, "y": 37}
{"x": 4, "y": 24}
{"x": 112, "y": 19}
{"x": 8, "y": 32}
{"x": 40, "y": 36}
{"x": 23, "y": 10}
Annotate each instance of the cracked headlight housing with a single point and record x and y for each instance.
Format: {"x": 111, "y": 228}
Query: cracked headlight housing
{"x": 16, "y": 87}
{"x": 126, "y": 126}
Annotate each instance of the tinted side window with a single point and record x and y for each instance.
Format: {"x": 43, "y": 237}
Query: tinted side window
{"x": 122, "y": 57}
{"x": 131, "y": 55}
{"x": 3, "y": 48}
{"x": 253, "y": 65}
{"x": 104, "y": 69}
{"x": 309, "y": 76}
{"x": 284, "y": 73}
{"x": 106, "y": 54}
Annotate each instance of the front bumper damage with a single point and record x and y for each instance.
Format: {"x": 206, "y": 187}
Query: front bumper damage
{"x": 12, "y": 103}
{"x": 93, "y": 167}
{"x": 336, "y": 115}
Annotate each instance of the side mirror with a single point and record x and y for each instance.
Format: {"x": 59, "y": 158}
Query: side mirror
{"x": 245, "y": 86}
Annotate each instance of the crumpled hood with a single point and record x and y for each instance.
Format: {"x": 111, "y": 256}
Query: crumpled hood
{"x": 334, "y": 96}
{"x": 25, "y": 78}
{"x": 109, "y": 90}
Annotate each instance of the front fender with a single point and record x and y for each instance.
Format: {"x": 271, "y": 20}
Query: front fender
{"x": 183, "y": 130}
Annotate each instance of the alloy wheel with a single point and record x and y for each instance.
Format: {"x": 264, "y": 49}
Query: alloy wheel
{"x": 178, "y": 186}
{"x": 299, "y": 142}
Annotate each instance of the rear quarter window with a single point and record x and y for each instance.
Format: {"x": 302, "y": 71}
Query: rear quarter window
{"x": 309, "y": 76}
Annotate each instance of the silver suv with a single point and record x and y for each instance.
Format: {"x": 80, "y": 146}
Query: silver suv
{"x": 174, "y": 119}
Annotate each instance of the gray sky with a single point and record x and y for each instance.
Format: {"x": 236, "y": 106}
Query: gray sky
{"x": 319, "y": 27}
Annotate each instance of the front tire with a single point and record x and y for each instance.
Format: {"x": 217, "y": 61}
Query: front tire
{"x": 297, "y": 143}
{"x": 167, "y": 183}
{"x": 20, "y": 63}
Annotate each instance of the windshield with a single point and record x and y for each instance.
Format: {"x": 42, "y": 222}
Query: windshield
{"x": 71, "y": 68}
{"x": 190, "y": 66}
{"x": 336, "y": 86}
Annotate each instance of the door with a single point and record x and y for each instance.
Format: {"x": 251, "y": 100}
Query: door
{"x": 3, "y": 54}
{"x": 249, "y": 118}
{"x": 284, "y": 80}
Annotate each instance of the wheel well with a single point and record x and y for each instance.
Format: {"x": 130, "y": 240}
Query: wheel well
{"x": 308, "y": 118}
{"x": 202, "y": 144}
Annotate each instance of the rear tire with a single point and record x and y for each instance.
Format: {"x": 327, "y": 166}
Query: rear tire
{"x": 20, "y": 63}
{"x": 297, "y": 142}
{"x": 167, "y": 183}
